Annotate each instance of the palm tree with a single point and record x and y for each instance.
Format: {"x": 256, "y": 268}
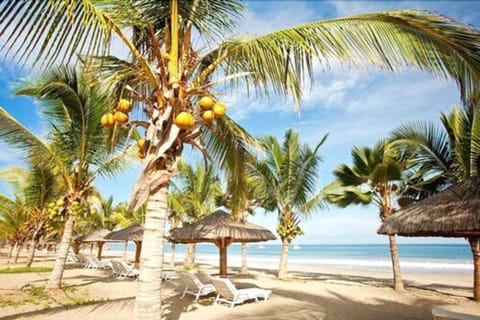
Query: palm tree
{"x": 286, "y": 177}
{"x": 75, "y": 149}
{"x": 444, "y": 155}
{"x": 196, "y": 191}
{"x": 167, "y": 74}
{"x": 374, "y": 177}
{"x": 26, "y": 215}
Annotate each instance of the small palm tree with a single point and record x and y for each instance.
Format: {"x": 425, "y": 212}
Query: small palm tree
{"x": 286, "y": 178}
{"x": 443, "y": 155}
{"x": 196, "y": 189}
{"x": 27, "y": 214}
{"x": 76, "y": 148}
{"x": 374, "y": 177}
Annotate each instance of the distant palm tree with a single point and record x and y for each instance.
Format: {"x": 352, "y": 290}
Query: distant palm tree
{"x": 196, "y": 190}
{"x": 286, "y": 178}
{"x": 374, "y": 177}
{"x": 26, "y": 215}
{"x": 444, "y": 155}
{"x": 179, "y": 55}
{"x": 76, "y": 148}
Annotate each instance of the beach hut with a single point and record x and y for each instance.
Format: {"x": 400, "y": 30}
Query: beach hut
{"x": 220, "y": 229}
{"x": 454, "y": 212}
{"x": 97, "y": 236}
{"x": 132, "y": 233}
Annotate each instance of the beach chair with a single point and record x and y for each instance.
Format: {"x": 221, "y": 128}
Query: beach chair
{"x": 441, "y": 314}
{"x": 121, "y": 269}
{"x": 95, "y": 264}
{"x": 82, "y": 260}
{"x": 72, "y": 259}
{"x": 228, "y": 293}
{"x": 194, "y": 286}
{"x": 168, "y": 275}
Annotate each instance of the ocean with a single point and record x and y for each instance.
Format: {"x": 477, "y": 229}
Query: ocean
{"x": 416, "y": 258}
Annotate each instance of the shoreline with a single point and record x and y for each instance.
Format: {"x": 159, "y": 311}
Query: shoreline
{"x": 310, "y": 292}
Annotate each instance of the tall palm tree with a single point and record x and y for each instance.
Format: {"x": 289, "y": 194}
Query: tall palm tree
{"x": 75, "y": 148}
{"x": 443, "y": 155}
{"x": 196, "y": 189}
{"x": 167, "y": 74}
{"x": 374, "y": 177}
{"x": 286, "y": 177}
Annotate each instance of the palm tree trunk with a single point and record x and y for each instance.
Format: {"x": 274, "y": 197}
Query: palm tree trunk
{"x": 17, "y": 253}
{"x": 475, "y": 246}
{"x": 148, "y": 302}
{"x": 244, "y": 269}
{"x": 190, "y": 257}
{"x": 282, "y": 269}
{"x": 12, "y": 249}
{"x": 397, "y": 275}
{"x": 32, "y": 253}
{"x": 172, "y": 255}
{"x": 56, "y": 277}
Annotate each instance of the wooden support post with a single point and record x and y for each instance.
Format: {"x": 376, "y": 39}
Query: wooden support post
{"x": 99, "y": 251}
{"x": 475, "y": 246}
{"x": 76, "y": 247}
{"x": 222, "y": 245}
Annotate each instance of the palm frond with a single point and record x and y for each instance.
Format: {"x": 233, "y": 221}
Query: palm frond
{"x": 390, "y": 40}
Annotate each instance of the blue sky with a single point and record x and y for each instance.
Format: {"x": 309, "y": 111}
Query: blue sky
{"x": 356, "y": 107}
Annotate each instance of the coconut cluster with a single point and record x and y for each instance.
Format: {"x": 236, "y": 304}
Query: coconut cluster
{"x": 288, "y": 230}
{"x": 119, "y": 114}
{"x": 58, "y": 209}
{"x": 210, "y": 111}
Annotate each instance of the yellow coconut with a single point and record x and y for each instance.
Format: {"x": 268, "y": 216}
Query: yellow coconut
{"x": 219, "y": 109}
{"x": 108, "y": 120}
{"x": 184, "y": 120}
{"x": 141, "y": 144}
{"x": 124, "y": 105}
{"x": 121, "y": 117}
{"x": 206, "y": 103}
{"x": 208, "y": 115}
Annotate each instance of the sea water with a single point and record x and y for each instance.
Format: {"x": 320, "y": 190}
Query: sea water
{"x": 428, "y": 258}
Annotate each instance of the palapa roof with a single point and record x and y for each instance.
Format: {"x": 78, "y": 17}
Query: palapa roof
{"x": 131, "y": 233}
{"x": 220, "y": 225}
{"x": 94, "y": 236}
{"x": 454, "y": 212}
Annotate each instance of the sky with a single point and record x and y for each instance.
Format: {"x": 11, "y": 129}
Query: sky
{"x": 355, "y": 107}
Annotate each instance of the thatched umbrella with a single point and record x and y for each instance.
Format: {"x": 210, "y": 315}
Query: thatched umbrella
{"x": 454, "y": 212}
{"x": 132, "y": 233}
{"x": 222, "y": 230}
{"x": 97, "y": 236}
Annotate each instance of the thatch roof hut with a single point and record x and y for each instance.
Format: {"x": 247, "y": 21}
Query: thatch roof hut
{"x": 132, "y": 233}
{"x": 97, "y": 236}
{"x": 454, "y": 212}
{"x": 220, "y": 229}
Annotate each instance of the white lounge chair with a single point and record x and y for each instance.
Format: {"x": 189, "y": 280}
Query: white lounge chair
{"x": 168, "y": 275}
{"x": 95, "y": 264}
{"x": 121, "y": 269}
{"x": 441, "y": 314}
{"x": 194, "y": 286}
{"x": 228, "y": 293}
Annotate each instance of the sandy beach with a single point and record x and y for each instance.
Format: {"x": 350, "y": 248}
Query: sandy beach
{"x": 310, "y": 293}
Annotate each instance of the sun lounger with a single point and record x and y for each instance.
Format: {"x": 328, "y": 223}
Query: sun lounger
{"x": 228, "y": 293}
{"x": 194, "y": 286}
{"x": 121, "y": 269}
{"x": 95, "y": 264}
{"x": 168, "y": 275}
{"x": 441, "y": 314}
{"x": 82, "y": 260}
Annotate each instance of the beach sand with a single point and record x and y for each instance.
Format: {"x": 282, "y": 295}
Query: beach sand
{"x": 310, "y": 293}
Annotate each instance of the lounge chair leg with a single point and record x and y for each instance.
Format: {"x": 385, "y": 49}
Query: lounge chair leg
{"x": 216, "y": 300}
